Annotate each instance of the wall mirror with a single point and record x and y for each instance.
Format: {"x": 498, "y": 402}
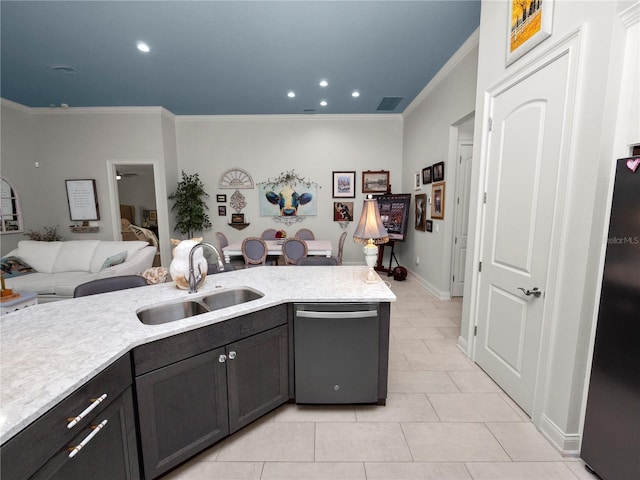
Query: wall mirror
{"x": 10, "y": 212}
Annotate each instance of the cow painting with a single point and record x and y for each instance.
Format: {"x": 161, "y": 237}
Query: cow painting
{"x": 288, "y": 200}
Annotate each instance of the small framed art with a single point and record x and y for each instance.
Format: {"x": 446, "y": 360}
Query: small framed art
{"x": 221, "y": 198}
{"x": 437, "y": 203}
{"x": 417, "y": 181}
{"x": 343, "y": 211}
{"x": 426, "y": 175}
{"x": 222, "y": 210}
{"x": 237, "y": 218}
{"x": 375, "y": 182}
{"x": 421, "y": 212}
{"x": 429, "y": 225}
{"x": 529, "y": 24}
{"x": 438, "y": 172}
{"x": 344, "y": 184}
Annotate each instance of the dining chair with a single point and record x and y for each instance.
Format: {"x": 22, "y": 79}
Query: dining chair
{"x": 254, "y": 251}
{"x": 222, "y": 241}
{"x": 340, "y": 248}
{"x": 293, "y": 249}
{"x": 269, "y": 234}
{"x": 305, "y": 234}
{"x": 315, "y": 260}
{"x": 109, "y": 284}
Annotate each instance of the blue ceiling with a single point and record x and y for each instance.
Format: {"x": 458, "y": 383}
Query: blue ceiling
{"x": 228, "y": 57}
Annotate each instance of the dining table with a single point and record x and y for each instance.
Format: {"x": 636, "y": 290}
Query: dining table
{"x": 274, "y": 247}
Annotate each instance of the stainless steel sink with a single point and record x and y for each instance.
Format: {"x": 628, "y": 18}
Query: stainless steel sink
{"x": 189, "y": 308}
{"x": 229, "y": 298}
{"x": 171, "y": 312}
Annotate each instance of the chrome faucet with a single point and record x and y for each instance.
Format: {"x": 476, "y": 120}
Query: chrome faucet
{"x": 195, "y": 279}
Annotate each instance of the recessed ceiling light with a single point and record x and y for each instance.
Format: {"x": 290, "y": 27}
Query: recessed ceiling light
{"x": 143, "y": 47}
{"x": 323, "y": 83}
{"x": 323, "y": 103}
{"x": 355, "y": 94}
{"x": 291, "y": 94}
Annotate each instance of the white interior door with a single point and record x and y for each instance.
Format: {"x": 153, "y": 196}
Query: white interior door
{"x": 461, "y": 233}
{"x": 523, "y": 159}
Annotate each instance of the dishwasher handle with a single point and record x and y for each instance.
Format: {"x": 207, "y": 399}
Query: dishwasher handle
{"x": 342, "y": 315}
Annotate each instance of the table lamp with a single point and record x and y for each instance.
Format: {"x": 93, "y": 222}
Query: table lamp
{"x": 371, "y": 232}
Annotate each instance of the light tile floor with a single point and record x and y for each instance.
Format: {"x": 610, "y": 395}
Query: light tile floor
{"x": 445, "y": 419}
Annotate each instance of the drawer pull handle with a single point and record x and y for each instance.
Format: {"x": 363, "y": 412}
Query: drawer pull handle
{"x": 96, "y": 428}
{"x": 73, "y": 421}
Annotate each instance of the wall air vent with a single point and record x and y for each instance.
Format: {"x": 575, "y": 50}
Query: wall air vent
{"x": 388, "y": 104}
{"x": 63, "y": 68}
{"x": 309, "y": 110}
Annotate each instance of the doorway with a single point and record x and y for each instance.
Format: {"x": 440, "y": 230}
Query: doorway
{"x": 137, "y": 194}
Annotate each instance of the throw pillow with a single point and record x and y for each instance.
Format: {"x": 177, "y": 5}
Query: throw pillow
{"x": 116, "y": 259}
{"x": 14, "y": 267}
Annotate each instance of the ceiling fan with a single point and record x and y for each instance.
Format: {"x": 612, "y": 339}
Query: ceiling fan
{"x": 120, "y": 175}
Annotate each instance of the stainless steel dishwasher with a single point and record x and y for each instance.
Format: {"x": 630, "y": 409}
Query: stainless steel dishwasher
{"x": 336, "y": 352}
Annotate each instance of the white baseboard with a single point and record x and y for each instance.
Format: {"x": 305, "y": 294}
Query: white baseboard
{"x": 430, "y": 287}
{"x": 463, "y": 345}
{"x": 567, "y": 443}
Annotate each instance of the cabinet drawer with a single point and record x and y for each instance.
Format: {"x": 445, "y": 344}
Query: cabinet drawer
{"x": 154, "y": 355}
{"x": 27, "y": 451}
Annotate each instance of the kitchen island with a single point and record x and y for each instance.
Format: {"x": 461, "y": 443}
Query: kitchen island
{"x": 51, "y": 350}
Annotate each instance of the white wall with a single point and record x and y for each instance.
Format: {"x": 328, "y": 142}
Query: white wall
{"x": 560, "y": 388}
{"x": 18, "y": 157}
{"x": 265, "y": 146}
{"x": 445, "y": 102}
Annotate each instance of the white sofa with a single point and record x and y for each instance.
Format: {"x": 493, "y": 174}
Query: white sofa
{"x": 61, "y": 266}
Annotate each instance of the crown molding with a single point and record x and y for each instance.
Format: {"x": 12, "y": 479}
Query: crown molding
{"x": 631, "y": 15}
{"x": 471, "y": 42}
{"x": 284, "y": 117}
{"x": 15, "y": 106}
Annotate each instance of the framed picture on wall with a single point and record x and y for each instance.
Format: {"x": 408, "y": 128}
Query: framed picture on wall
{"x": 529, "y": 23}
{"x": 343, "y": 211}
{"x": 222, "y": 210}
{"x": 421, "y": 212}
{"x": 438, "y": 171}
{"x": 375, "y": 182}
{"x": 429, "y": 225}
{"x": 437, "y": 201}
{"x": 221, "y": 198}
{"x": 417, "y": 181}
{"x": 344, "y": 184}
{"x": 82, "y": 198}
{"x": 426, "y": 175}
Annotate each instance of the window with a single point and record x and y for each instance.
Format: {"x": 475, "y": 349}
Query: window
{"x": 10, "y": 212}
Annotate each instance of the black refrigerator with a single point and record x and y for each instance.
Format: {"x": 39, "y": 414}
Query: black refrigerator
{"x": 611, "y": 437}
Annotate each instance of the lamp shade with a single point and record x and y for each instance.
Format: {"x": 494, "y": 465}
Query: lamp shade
{"x": 370, "y": 226}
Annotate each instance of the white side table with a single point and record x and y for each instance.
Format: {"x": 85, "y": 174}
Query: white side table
{"x": 26, "y": 299}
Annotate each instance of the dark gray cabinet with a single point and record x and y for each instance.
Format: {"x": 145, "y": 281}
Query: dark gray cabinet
{"x": 202, "y": 395}
{"x": 41, "y": 451}
{"x": 182, "y": 409}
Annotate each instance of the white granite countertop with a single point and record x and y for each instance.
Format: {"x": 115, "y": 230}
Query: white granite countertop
{"x": 49, "y": 350}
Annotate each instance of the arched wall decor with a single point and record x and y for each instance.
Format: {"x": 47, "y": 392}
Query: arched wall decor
{"x": 10, "y": 211}
{"x": 235, "y": 178}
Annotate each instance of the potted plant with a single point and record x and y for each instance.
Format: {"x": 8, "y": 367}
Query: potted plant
{"x": 189, "y": 205}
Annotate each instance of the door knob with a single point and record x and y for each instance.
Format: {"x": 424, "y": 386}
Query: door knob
{"x": 534, "y": 291}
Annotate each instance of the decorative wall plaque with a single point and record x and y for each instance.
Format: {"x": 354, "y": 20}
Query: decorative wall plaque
{"x": 235, "y": 178}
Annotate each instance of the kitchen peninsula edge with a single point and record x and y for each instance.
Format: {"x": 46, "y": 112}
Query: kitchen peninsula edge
{"x": 50, "y": 350}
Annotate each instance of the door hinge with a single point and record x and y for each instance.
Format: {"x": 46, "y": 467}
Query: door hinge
{"x": 490, "y": 124}
{"x": 480, "y": 267}
{"x": 454, "y": 278}
{"x": 484, "y": 198}
{"x": 455, "y": 241}
{"x": 458, "y": 201}
{"x": 475, "y": 331}
{"x": 460, "y": 160}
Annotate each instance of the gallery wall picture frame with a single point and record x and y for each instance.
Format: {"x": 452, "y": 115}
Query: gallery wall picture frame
{"x": 221, "y": 198}
{"x": 344, "y": 184}
{"x": 429, "y": 225}
{"x": 222, "y": 210}
{"x": 426, "y": 176}
{"x": 417, "y": 181}
{"x": 529, "y": 23}
{"x": 237, "y": 218}
{"x": 83, "y": 201}
{"x": 438, "y": 172}
{"x": 375, "y": 181}
{"x": 421, "y": 212}
{"x": 437, "y": 202}
{"x": 343, "y": 211}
